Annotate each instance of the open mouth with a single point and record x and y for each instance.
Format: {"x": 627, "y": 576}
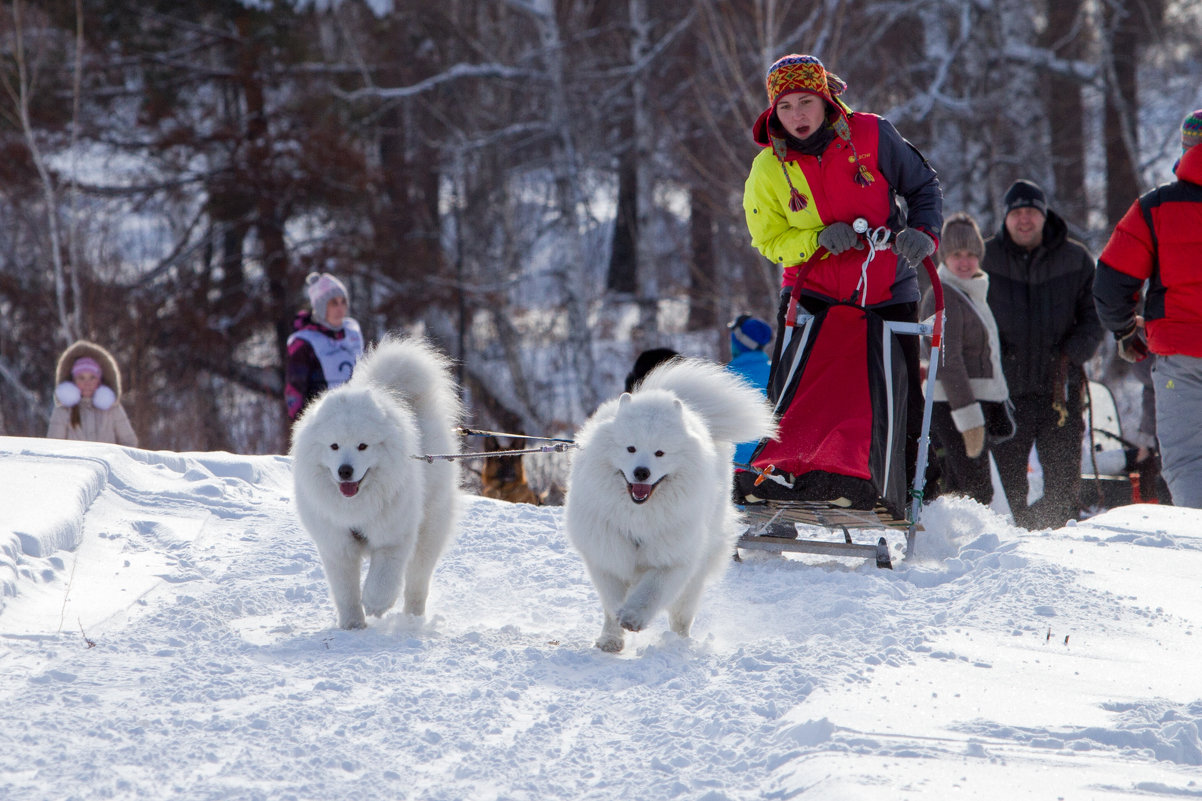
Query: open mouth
{"x": 351, "y": 488}
{"x": 639, "y": 493}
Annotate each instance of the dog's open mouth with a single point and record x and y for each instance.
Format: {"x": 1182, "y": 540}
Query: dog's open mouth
{"x": 351, "y": 488}
{"x": 639, "y": 493}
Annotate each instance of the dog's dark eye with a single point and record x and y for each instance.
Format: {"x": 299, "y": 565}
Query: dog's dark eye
{"x": 334, "y": 447}
{"x": 362, "y": 446}
{"x": 659, "y": 453}
{"x": 631, "y": 449}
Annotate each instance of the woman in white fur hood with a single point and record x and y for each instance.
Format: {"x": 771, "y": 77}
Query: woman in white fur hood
{"x": 88, "y": 398}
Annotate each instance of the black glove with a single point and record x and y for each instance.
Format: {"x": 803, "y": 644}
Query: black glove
{"x": 913, "y": 245}
{"x": 838, "y": 237}
{"x": 1131, "y": 343}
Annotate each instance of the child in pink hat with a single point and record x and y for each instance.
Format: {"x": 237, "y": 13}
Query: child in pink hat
{"x": 87, "y": 398}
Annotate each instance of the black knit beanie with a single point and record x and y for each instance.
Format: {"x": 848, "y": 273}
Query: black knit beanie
{"x": 1023, "y": 193}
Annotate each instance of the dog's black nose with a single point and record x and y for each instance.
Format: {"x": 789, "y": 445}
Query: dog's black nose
{"x": 641, "y": 474}
{"x": 345, "y": 472}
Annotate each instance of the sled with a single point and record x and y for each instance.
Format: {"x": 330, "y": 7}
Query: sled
{"x": 1105, "y": 481}
{"x": 840, "y": 389}
{"x": 822, "y": 515}
{"x": 1109, "y": 475}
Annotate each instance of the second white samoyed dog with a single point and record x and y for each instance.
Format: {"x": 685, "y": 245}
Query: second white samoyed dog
{"x": 359, "y": 491}
{"x": 649, "y": 503}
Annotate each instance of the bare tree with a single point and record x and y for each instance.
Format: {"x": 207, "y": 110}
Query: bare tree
{"x": 28, "y": 69}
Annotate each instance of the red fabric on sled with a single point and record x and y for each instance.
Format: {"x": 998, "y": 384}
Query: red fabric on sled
{"x": 828, "y": 425}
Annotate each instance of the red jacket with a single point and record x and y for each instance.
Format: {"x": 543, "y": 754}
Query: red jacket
{"x": 1159, "y": 240}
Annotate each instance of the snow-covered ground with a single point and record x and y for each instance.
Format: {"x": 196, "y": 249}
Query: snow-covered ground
{"x": 166, "y": 633}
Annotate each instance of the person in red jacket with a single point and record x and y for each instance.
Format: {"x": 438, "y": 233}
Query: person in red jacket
{"x": 1155, "y": 254}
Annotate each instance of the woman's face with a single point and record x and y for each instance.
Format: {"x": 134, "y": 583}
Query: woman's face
{"x": 87, "y": 382}
{"x": 963, "y": 263}
{"x": 801, "y": 113}
{"x": 336, "y": 311}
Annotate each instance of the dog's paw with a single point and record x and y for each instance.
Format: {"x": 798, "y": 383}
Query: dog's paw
{"x": 631, "y": 619}
{"x": 611, "y": 645}
{"x": 378, "y": 599}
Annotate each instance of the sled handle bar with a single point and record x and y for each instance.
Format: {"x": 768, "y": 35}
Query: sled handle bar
{"x": 860, "y": 226}
{"x": 924, "y": 438}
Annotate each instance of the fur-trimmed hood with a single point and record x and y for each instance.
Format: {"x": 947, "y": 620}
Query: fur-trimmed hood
{"x": 110, "y": 376}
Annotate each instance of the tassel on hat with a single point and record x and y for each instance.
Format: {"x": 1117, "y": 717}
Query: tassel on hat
{"x": 797, "y": 201}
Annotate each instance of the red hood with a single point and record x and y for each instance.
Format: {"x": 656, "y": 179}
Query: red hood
{"x": 759, "y": 131}
{"x": 1190, "y": 166}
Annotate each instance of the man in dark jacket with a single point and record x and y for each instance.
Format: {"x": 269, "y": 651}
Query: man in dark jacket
{"x": 1159, "y": 241}
{"x": 1041, "y": 294}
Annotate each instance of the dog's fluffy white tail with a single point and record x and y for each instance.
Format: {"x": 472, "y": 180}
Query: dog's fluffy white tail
{"x": 733, "y": 410}
{"x": 418, "y": 373}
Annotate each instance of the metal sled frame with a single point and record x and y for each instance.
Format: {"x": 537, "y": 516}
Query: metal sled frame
{"x": 823, "y": 515}
{"x": 827, "y": 515}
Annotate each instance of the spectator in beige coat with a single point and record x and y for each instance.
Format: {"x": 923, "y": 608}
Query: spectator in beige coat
{"x": 971, "y": 401}
{"x": 88, "y": 398}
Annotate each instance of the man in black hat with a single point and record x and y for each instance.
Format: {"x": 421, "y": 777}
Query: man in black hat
{"x": 1041, "y": 294}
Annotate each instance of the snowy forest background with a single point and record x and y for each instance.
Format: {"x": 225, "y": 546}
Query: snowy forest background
{"x": 544, "y": 188}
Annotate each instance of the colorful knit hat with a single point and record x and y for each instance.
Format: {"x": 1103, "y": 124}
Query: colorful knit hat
{"x": 804, "y": 73}
{"x": 796, "y": 73}
{"x": 1191, "y": 129}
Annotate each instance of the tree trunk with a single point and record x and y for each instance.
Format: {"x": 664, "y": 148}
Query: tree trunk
{"x": 622, "y": 276}
{"x": 704, "y": 290}
{"x": 1121, "y": 110}
{"x": 1066, "y": 111}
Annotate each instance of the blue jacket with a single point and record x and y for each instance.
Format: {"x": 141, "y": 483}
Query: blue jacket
{"x": 753, "y": 367}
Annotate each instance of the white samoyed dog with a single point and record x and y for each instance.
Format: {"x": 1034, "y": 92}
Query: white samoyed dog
{"x": 359, "y": 491}
{"x": 649, "y": 503}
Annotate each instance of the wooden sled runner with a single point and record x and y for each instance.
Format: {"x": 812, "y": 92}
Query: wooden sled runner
{"x": 761, "y": 517}
{"x": 840, "y": 388}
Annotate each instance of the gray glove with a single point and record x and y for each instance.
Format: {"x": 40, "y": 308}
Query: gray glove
{"x": 838, "y": 237}
{"x": 913, "y": 245}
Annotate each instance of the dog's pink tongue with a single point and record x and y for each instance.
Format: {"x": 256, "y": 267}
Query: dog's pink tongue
{"x": 349, "y": 488}
{"x": 640, "y": 491}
